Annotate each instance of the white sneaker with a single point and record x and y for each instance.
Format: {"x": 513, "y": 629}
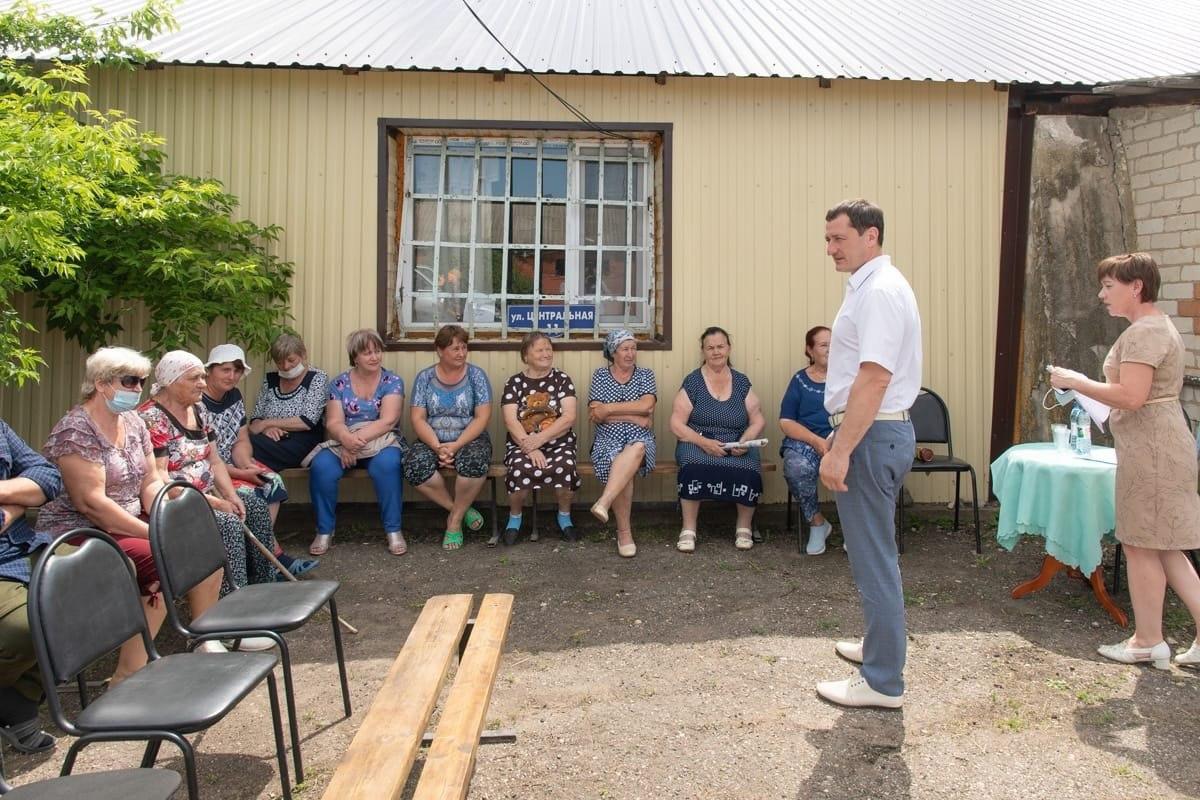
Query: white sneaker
{"x": 816, "y": 538}
{"x": 856, "y": 693}
{"x": 253, "y": 643}
{"x": 851, "y": 651}
{"x": 211, "y": 646}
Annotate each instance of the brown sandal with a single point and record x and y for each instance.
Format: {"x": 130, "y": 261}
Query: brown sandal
{"x": 321, "y": 544}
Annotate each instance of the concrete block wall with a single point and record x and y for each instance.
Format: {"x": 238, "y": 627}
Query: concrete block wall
{"x": 1162, "y": 150}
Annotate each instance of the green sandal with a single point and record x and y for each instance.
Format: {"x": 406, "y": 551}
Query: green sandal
{"x": 473, "y": 519}
{"x": 452, "y": 540}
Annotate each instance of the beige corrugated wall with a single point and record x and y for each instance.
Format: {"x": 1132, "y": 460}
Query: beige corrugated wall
{"x": 756, "y": 164}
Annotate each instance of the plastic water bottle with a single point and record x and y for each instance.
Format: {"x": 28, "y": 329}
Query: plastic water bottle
{"x": 1081, "y": 428}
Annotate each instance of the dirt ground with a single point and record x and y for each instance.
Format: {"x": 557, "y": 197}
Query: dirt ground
{"x": 675, "y": 676}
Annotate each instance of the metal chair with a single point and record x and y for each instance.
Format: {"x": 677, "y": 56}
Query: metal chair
{"x": 120, "y": 784}
{"x": 931, "y": 423}
{"x": 187, "y": 549}
{"x": 82, "y": 606}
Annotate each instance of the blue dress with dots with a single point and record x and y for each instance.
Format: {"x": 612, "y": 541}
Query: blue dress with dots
{"x": 705, "y": 477}
{"x": 613, "y": 437}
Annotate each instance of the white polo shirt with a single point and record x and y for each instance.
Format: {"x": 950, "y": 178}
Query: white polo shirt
{"x": 878, "y": 322}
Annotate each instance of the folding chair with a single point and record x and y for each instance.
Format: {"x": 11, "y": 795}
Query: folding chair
{"x": 82, "y": 606}
{"x": 931, "y": 423}
{"x": 188, "y": 549}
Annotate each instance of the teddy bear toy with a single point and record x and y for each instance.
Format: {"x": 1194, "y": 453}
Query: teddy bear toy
{"x": 538, "y": 414}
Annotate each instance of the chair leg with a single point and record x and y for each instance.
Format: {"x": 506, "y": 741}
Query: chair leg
{"x": 289, "y": 696}
{"x": 277, "y": 726}
{"x": 495, "y": 529}
{"x": 341, "y": 656}
{"x": 83, "y": 695}
{"x": 189, "y": 768}
{"x": 957, "y": 495}
{"x": 975, "y": 501}
{"x": 72, "y": 754}
{"x": 151, "y": 754}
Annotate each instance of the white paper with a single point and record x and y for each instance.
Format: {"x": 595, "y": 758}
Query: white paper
{"x": 1104, "y": 455}
{"x": 1095, "y": 409}
{"x": 751, "y": 443}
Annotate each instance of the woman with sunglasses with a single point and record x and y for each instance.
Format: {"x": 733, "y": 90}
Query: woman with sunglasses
{"x": 103, "y": 450}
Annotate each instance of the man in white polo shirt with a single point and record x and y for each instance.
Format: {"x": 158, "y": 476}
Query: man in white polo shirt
{"x": 873, "y": 378}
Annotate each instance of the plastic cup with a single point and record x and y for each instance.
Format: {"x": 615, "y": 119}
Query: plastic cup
{"x": 1062, "y": 440}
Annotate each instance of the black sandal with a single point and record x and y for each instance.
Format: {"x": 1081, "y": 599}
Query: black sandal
{"x": 27, "y": 736}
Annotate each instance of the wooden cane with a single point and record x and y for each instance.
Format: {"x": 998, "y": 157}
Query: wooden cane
{"x": 266, "y": 551}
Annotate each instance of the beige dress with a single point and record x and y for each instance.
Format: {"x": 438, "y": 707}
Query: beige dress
{"x": 1157, "y": 503}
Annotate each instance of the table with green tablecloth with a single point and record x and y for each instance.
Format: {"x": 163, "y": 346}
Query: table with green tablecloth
{"x": 1068, "y": 501}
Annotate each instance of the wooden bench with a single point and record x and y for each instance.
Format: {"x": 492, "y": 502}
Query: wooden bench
{"x": 377, "y": 763}
{"x": 497, "y": 472}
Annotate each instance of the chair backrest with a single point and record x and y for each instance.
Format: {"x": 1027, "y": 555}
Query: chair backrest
{"x": 931, "y": 419}
{"x": 82, "y": 605}
{"x": 185, "y": 540}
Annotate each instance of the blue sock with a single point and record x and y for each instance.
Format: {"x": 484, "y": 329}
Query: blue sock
{"x": 514, "y": 521}
{"x": 564, "y": 519}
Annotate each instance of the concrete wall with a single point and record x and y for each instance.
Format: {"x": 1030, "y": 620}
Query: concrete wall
{"x": 1079, "y": 213}
{"x": 1162, "y": 148}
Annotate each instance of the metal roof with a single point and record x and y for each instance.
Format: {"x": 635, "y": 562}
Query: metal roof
{"x": 1008, "y": 41}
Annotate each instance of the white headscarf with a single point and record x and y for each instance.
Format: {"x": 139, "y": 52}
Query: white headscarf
{"x": 173, "y": 366}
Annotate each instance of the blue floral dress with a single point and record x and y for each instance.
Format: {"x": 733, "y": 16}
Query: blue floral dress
{"x": 613, "y": 437}
{"x": 705, "y": 477}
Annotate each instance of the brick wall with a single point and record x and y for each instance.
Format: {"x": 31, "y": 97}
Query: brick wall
{"x": 1162, "y": 151}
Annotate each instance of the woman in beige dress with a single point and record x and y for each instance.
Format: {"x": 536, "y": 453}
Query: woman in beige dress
{"x": 1158, "y": 510}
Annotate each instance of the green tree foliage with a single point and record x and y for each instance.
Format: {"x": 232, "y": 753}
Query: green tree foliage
{"x": 90, "y": 221}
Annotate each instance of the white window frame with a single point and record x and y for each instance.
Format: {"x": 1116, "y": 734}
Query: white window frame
{"x": 634, "y": 153}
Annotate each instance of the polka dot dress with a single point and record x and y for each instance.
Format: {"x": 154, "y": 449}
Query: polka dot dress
{"x": 613, "y": 437}
{"x": 531, "y": 395}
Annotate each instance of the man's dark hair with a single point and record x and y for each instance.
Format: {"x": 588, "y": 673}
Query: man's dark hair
{"x": 862, "y": 215}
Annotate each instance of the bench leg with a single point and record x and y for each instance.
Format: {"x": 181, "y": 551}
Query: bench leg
{"x": 495, "y": 512}
{"x": 534, "y": 535}
{"x": 498, "y": 736}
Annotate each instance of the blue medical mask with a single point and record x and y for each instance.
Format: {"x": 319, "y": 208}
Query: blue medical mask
{"x": 123, "y": 400}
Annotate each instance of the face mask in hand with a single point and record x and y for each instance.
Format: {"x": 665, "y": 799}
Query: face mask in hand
{"x": 294, "y": 372}
{"x": 1062, "y": 398}
{"x": 123, "y": 400}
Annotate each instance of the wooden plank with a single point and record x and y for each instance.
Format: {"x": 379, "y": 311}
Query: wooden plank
{"x": 450, "y": 762}
{"x": 377, "y": 763}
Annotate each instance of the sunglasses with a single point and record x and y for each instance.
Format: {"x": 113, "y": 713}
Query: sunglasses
{"x": 131, "y": 382}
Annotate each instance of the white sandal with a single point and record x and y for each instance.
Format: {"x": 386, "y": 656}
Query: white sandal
{"x": 687, "y": 541}
{"x": 743, "y": 539}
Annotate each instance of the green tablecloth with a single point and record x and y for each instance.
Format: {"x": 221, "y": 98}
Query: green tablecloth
{"x": 1067, "y": 500}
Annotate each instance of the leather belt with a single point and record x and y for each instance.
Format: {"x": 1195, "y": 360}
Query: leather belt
{"x": 883, "y": 416}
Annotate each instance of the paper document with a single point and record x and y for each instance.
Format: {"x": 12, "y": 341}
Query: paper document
{"x": 1104, "y": 455}
{"x": 1095, "y": 409}
{"x": 750, "y": 443}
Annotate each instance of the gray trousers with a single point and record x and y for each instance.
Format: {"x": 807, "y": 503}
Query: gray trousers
{"x": 867, "y": 514}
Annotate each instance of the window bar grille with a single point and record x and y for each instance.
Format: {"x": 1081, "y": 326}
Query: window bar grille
{"x": 468, "y": 306}
{"x": 599, "y": 243}
{"x": 537, "y": 241}
{"x": 504, "y": 240}
{"x": 437, "y": 238}
{"x": 629, "y": 209}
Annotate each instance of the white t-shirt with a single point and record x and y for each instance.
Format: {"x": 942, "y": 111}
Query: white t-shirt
{"x": 878, "y": 322}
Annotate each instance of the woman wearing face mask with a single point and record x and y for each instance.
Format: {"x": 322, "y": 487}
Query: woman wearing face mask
{"x": 225, "y": 413}
{"x": 286, "y": 422}
{"x": 103, "y": 450}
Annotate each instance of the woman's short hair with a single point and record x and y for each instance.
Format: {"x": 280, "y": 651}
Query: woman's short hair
{"x": 449, "y": 334}
{"x": 532, "y": 338}
{"x": 287, "y": 345}
{"x": 111, "y": 362}
{"x": 810, "y": 339}
{"x": 1130, "y": 267}
{"x": 362, "y": 340}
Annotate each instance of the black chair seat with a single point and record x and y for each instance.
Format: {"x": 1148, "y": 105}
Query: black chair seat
{"x": 941, "y": 464}
{"x": 186, "y": 692}
{"x": 279, "y": 607}
{"x": 121, "y": 784}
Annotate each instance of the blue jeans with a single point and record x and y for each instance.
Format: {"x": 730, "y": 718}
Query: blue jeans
{"x": 866, "y": 511}
{"x": 385, "y": 470}
{"x": 801, "y": 469}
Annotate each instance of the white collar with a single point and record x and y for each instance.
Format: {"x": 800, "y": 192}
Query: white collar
{"x": 860, "y": 275}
